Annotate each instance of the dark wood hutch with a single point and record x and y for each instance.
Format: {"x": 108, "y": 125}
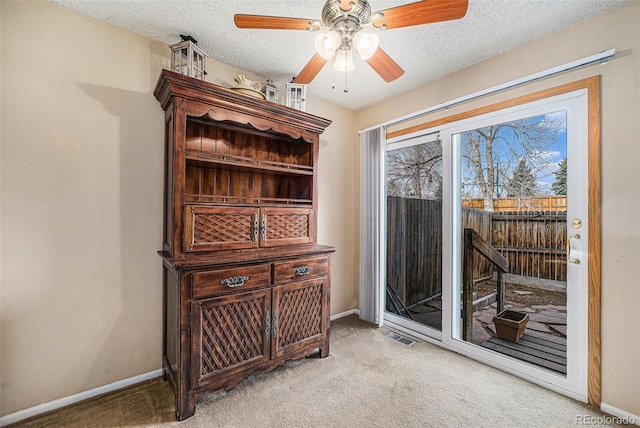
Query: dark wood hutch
{"x": 246, "y": 287}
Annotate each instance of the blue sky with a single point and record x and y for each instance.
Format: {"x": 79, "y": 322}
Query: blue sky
{"x": 555, "y": 156}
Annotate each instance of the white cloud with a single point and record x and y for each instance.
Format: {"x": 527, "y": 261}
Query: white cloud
{"x": 557, "y": 119}
{"x": 544, "y": 155}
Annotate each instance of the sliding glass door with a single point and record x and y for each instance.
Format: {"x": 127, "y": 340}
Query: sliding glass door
{"x": 486, "y": 232}
{"x": 413, "y": 185}
{"x": 515, "y": 216}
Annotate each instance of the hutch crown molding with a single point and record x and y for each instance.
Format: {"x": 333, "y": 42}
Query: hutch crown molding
{"x": 246, "y": 286}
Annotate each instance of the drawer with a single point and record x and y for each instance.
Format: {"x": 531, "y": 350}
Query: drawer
{"x": 212, "y": 282}
{"x": 301, "y": 269}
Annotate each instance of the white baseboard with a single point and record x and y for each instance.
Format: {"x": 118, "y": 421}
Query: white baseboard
{"x": 76, "y": 398}
{"x": 624, "y": 417}
{"x": 72, "y": 399}
{"x": 344, "y": 314}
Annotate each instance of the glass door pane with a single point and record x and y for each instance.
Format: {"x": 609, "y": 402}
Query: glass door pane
{"x": 513, "y": 264}
{"x": 414, "y": 231}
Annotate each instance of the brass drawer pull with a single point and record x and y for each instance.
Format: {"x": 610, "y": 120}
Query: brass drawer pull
{"x": 234, "y": 281}
{"x": 302, "y": 270}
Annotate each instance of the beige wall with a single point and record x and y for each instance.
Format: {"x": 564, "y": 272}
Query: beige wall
{"x": 81, "y": 190}
{"x": 81, "y": 213}
{"x": 617, "y": 29}
{"x": 337, "y": 221}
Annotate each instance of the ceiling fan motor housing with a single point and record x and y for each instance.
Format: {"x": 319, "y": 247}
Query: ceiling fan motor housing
{"x": 348, "y": 22}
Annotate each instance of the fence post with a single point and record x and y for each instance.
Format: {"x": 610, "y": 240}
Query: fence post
{"x": 467, "y": 287}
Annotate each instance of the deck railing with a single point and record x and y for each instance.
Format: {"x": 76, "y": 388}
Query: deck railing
{"x": 474, "y": 242}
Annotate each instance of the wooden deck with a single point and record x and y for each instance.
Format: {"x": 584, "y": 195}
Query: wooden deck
{"x": 542, "y": 349}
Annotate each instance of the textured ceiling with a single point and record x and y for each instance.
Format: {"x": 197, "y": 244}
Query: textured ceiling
{"x": 426, "y": 52}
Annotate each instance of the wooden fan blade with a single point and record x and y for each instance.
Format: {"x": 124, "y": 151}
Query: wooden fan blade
{"x": 423, "y": 12}
{"x": 387, "y": 68}
{"x": 310, "y": 70}
{"x": 263, "y": 22}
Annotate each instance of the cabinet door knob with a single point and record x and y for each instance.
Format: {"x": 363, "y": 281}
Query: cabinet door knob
{"x": 263, "y": 227}
{"x": 234, "y": 281}
{"x": 255, "y": 228}
{"x": 275, "y": 324}
{"x": 267, "y": 327}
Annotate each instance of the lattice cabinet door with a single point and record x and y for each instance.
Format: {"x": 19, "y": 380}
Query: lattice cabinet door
{"x": 229, "y": 334}
{"x": 298, "y": 315}
{"x": 220, "y": 228}
{"x": 286, "y": 226}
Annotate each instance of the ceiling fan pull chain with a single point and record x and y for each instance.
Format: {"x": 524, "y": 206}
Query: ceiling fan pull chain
{"x": 333, "y": 84}
{"x": 346, "y": 87}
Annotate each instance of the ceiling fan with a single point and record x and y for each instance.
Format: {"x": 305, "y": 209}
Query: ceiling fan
{"x": 350, "y": 24}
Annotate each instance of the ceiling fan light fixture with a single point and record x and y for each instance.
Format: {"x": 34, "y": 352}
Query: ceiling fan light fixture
{"x": 327, "y": 43}
{"x": 345, "y": 19}
{"x": 344, "y": 60}
{"x": 365, "y": 44}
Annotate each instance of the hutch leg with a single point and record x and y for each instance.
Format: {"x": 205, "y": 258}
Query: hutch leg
{"x": 324, "y": 350}
{"x": 185, "y": 407}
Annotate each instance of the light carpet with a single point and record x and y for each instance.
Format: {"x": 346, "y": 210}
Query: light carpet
{"x": 369, "y": 380}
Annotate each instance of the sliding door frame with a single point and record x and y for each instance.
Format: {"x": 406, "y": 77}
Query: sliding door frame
{"x": 592, "y": 86}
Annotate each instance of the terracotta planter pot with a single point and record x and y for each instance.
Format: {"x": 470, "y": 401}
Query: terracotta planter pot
{"x": 510, "y": 325}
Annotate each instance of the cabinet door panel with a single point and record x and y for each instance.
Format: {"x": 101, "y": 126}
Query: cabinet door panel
{"x": 286, "y": 226}
{"x": 229, "y": 334}
{"x": 220, "y": 228}
{"x": 298, "y": 316}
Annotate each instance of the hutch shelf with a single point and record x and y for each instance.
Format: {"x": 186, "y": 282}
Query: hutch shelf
{"x": 246, "y": 286}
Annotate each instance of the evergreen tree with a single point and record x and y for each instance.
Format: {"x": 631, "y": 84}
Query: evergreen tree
{"x": 523, "y": 182}
{"x": 559, "y": 186}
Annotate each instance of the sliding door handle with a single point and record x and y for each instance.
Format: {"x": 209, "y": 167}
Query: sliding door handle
{"x": 569, "y": 259}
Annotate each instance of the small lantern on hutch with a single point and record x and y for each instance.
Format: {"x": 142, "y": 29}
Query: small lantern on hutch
{"x": 188, "y": 59}
{"x": 296, "y": 96}
{"x": 270, "y": 91}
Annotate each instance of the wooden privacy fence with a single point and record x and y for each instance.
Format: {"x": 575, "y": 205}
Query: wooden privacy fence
{"x": 414, "y": 248}
{"x": 539, "y": 203}
{"x": 532, "y": 242}
{"x": 480, "y": 221}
